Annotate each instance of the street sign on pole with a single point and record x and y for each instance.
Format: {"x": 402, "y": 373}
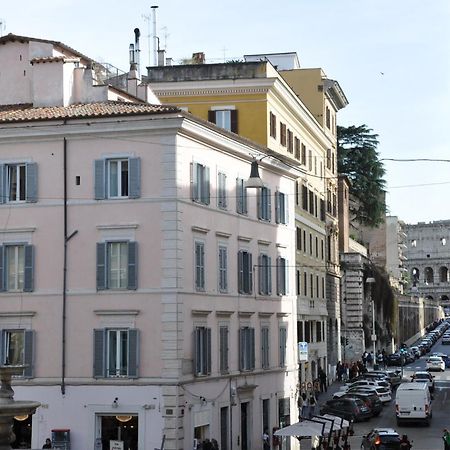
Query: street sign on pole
{"x": 302, "y": 351}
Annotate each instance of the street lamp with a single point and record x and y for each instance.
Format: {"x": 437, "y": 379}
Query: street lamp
{"x": 370, "y": 281}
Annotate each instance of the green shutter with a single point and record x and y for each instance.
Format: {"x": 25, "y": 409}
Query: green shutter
{"x": 261, "y": 274}
{"x": 99, "y": 353}
{"x": 132, "y": 265}
{"x": 28, "y": 357}
{"x": 28, "y": 284}
{"x": 31, "y": 182}
{"x": 134, "y": 177}
{"x": 101, "y": 266}
{"x": 269, "y": 205}
{"x": 133, "y": 353}
{"x": 100, "y": 179}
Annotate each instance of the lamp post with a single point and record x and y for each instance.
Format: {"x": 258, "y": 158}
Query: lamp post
{"x": 370, "y": 281}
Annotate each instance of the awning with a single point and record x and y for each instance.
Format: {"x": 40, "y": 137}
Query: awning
{"x": 305, "y": 428}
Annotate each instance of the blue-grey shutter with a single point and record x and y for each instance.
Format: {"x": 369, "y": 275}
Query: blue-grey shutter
{"x": 134, "y": 177}
{"x": 261, "y": 274}
{"x": 259, "y": 203}
{"x": 194, "y": 181}
{"x": 100, "y": 179}
{"x": 2, "y": 269}
{"x": 269, "y": 275}
{"x": 3, "y": 190}
{"x": 223, "y": 350}
{"x": 196, "y": 351}
{"x": 279, "y": 276}
{"x": 28, "y": 284}
{"x": 31, "y": 182}
{"x": 252, "y": 347}
{"x": 250, "y": 274}
{"x": 241, "y": 348}
{"x": 101, "y": 266}
{"x": 286, "y": 276}
{"x": 277, "y": 207}
{"x": 132, "y": 265}
{"x": 286, "y": 208}
{"x": 208, "y": 350}
{"x": 2, "y": 339}
{"x": 28, "y": 356}
{"x": 206, "y": 186}
{"x": 240, "y": 271}
{"x": 133, "y": 353}
{"x": 99, "y": 353}
{"x": 239, "y": 196}
{"x": 269, "y": 205}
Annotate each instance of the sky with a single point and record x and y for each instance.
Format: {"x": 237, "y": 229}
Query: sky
{"x": 390, "y": 57}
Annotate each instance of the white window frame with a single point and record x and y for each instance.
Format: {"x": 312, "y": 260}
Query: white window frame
{"x": 7, "y": 338}
{"x": 118, "y": 371}
{"x": 19, "y": 170}
{"x": 245, "y": 272}
{"x": 119, "y": 175}
{"x": 122, "y": 268}
{"x": 17, "y": 283}
{"x": 201, "y": 192}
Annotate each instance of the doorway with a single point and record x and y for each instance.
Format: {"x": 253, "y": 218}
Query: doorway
{"x": 245, "y": 426}
{"x": 22, "y": 431}
{"x": 123, "y": 428}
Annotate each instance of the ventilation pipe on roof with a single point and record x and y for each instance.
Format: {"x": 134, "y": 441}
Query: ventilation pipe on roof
{"x": 137, "y": 50}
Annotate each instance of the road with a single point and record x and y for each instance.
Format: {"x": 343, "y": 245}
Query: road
{"x": 423, "y": 437}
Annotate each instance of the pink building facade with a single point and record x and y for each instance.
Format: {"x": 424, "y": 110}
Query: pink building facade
{"x": 149, "y": 293}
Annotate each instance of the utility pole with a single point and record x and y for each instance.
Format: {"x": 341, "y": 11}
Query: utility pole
{"x": 155, "y": 38}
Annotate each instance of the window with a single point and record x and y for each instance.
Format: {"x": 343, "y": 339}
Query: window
{"x": 305, "y": 284}
{"x": 281, "y": 276}
{"x": 222, "y": 190}
{"x": 265, "y": 279}
{"x": 299, "y": 238}
{"x": 117, "y": 265}
{"x": 117, "y": 178}
{"x": 310, "y": 160}
{"x": 328, "y": 158}
{"x": 311, "y": 202}
{"x": 200, "y": 183}
{"x": 264, "y": 203}
{"x": 305, "y": 191}
{"x": 116, "y": 353}
{"x": 241, "y": 196}
{"x": 17, "y": 349}
{"x": 18, "y": 182}
{"x": 283, "y": 134}
{"x": 265, "y": 362}
{"x": 281, "y": 208}
{"x": 283, "y": 344}
{"x": 290, "y": 141}
{"x": 199, "y": 266}
{"x": 322, "y": 210}
{"x": 273, "y": 125}
{"x": 311, "y": 285}
{"x": 223, "y": 349}
{"x": 245, "y": 274}
{"x": 246, "y": 348}
{"x": 297, "y": 148}
{"x": 319, "y": 331}
{"x": 17, "y": 265}
{"x": 202, "y": 351}
{"x": 327, "y": 117}
{"x": 303, "y": 159}
{"x": 224, "y": 118}
{"x": 223, "y": 269}
{"x": 317, "y": 246}
{"x": 298, "y": 280}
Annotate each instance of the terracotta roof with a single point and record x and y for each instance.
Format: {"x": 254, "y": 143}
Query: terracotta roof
{"x": 14, "y": 37}
{"x": 45, "y": 59}
{"x": 26, "y": 112}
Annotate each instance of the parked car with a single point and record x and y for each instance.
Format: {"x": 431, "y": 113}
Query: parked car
{"x": 394, "y": 376}
{"x": 424, "y": 377}
{"x": 416, "y": 351}
{"x": 361, "y": 383}
{"x": 435, "y": 363}
{"x": 370, "y": 399}
{"x": 445, "y": 357}
{"x": 352, "y": 409}
{"x": 381, "y": 438}
{"x": 383, "y": 393}
{"x": 395, "y": 359}
{"x": 446, "y": 340}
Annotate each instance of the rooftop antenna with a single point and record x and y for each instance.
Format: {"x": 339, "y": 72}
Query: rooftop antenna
{"x": 149, "y": 36}
{"x": 155, "y": 38}
{"x": 2, "y": 26}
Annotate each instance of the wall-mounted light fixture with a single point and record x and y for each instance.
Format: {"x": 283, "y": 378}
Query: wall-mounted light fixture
{"x": 124, "y": 419}
{"x": 255, "y": 180}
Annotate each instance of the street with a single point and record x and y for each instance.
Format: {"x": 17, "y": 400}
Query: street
{"x": 423, "y": 437}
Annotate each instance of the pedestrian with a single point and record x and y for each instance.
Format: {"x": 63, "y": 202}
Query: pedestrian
{"x": 370, "y": 359}
{"x": 446, "y": 439}
{"x": 312, "y": 405}
{"x": 364, "y": 358}
{"x": 300, "y": 406}
{"x": 266, "y": 439}
{"x": 214, "y": 444}
{"x": 305, "y": 406}
{"x": 339, "y": 371}
{"x": 48, "y": 443}
{"x": 322, "y": 380}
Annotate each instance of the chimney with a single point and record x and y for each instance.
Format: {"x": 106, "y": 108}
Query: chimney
{"x": 161, "y": 57}
{"x": 169, "y": 61}
{"x": 137, "y": 50}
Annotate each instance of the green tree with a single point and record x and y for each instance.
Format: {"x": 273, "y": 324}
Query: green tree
{"x": 358, "y": 159}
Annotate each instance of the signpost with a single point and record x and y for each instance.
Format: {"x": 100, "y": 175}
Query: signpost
{"x": 302, "y": 351}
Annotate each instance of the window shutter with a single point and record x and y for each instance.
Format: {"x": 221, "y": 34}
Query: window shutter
{"x": 133, "y": 353}
{"x": 2, "y": 338}
{"x": 240, "y": 271}
{"x": 261, "y": 274}
{"x": 205, "y": 187}
{"x": 269, "y": 205}
{"x": 99, "y": 179}
{"x": 239, "y": 196}
{"x": 285, "y": 209}
{"x": 28, "y": 357}
{"x": 259, "y": 203}
{"x": 134, "y": 177}
{"x": 234, "y": 120}
{"x": 132, "y": 265}
{"x": 224, "y": 349}
{"x": 101, "y": 266}
{"x": 2, "y": 269}
{"x": 99, "y": 353}
{"x": 241, "y": 348}
{"x": 31, "y": 182}
{"x": 279, "y": 276}
{"x": 194, "y": 181}
{"x": 212, "y": 116}
{"x": 269, "y": 275}
{"x": 28, "y": 284}
{"x": 208, "y": 350}
{"x": 2, "y": 183}
{"x": 277, "y": 208}
{"x": 196, "y": 351}
{"x": 252, "y": 347}
{"x": 250, "y": 274}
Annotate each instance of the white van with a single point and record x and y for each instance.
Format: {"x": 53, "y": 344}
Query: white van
{"x": 413, "y": 403}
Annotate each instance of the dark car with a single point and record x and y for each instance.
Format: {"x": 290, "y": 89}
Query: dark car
{"x": 381, "y": 439}
{"x": 371, "y": 400}
{"x": 395, "y": 359}
{"x": 348, "y": 408}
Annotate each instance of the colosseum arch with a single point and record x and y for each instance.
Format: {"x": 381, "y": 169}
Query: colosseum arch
{"x": 428, "y": 275}
{"x": 443, "y": 274}
{"x": 415, "y": 274}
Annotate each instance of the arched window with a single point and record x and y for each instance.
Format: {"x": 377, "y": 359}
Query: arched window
{"x": 444, "y": 298}
{"x": 429, "y": 297}
{"x": 443, "y": 274}
{"x": 415, "y": 274}
{"x": 429, "y": 275}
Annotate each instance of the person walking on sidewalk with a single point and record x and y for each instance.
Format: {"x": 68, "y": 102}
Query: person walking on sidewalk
{"x": 322, "y": 380}
{"x": 446, "y": 439}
